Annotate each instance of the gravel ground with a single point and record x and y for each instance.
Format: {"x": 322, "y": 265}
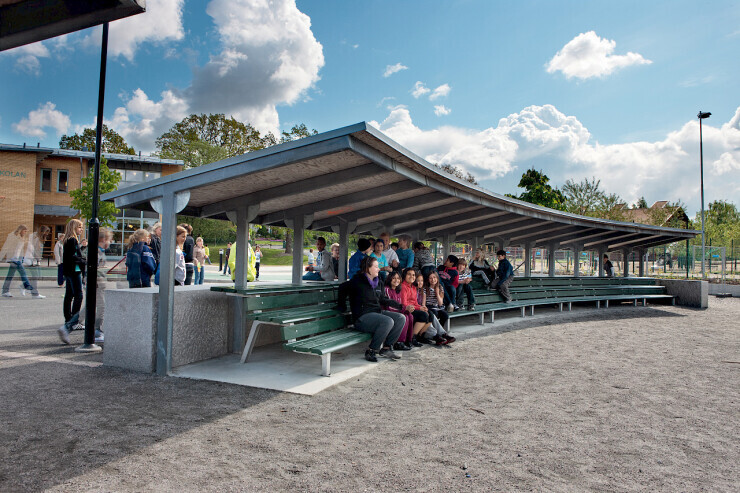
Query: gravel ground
{"x": 624, "y": 399}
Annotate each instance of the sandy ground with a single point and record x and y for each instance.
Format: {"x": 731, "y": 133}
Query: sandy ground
{"x": 625, "y": 399}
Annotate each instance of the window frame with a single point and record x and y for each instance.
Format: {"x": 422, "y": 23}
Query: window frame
{"x": 59, "y": 172}
{"x": 41, "y": 180}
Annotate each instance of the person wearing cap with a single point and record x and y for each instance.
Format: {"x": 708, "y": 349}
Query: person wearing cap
{"x": 504, "y": 276}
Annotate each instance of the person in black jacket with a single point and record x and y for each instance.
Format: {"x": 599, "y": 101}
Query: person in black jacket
{"x": 187, "y": 250}
{"x": 155, "y": 243}
{"x": 368, "y": 301}
{"x": 73, "y": 265}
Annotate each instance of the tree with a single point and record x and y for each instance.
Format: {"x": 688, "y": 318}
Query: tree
{"x": 539, "y": 192}
{"x": 82, "y": 197}
{"x": 112, "y": 141}
{"x": 583, "y": 197}
{"x": 211, "y": 230}
{"x": 641, "y": 204}
{"x": 297, "y": 132}
{"x": 198, "y": 138}
{"x": 721, "y": 224}
{"x": 459, "y": 172}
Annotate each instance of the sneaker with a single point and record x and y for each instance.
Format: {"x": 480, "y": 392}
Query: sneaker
{"x": 439, "y": 341}
{"x": 63, "y": 334}
{"x": 370, "y": 355}
{"x": 388, "y": 353}
{"x": 508, "y": 301}
{"x": 424, "y": 340}
{"x": 7, "y": 294}
{"x": 408, "y": 346}
{"x": 78, "y": 326}
{"x": 450, "y": 308}
{"x": 456, "y": 308}
{"x": 471, "y": 308}
{"x": 99, "y": 337}
{"x": 449, "y": 338}
{"x": 39, "y": 296}
{"x": 23, "y": 292}
{"x": 415, "y": 342}
{"x": 400, "y": 346}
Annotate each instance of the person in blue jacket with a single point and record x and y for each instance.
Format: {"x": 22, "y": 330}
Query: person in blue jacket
{"x": 364, "y": 247}
{"x": 504, "y": 276}
{"x": 140, "y": 263}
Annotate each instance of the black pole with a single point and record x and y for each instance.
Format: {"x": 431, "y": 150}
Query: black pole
{"x": 93, "y": 224}
{"x": 687, "y": 249}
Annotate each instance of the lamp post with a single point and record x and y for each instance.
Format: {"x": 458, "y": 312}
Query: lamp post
{"x": 702, "y": 116}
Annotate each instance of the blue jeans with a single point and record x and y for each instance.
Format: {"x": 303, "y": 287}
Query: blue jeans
{"x": 450, "y": 294}
{"x": 312, "y": 276}
{"x": 200, "y": 275}
{"x": 17, "y": 266}
{"x": 60, "y": 274}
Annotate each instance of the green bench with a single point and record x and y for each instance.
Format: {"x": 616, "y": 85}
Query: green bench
{"x": 306, "y": 316}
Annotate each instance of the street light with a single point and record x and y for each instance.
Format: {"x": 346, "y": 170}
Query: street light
{"x": 702, "y": 116}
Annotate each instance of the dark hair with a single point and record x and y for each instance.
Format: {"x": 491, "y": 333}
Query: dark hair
{"x": 418, "y": 246}
{"x": 390, "y": 277}
{"x": 501, "y": 252}
{"x": 379, "y": 240}
{"x": 606, "y": 256}
{"x": 453, "y": 260}
{"x": 406, "y": 271}
{"x": 394, "y": 244}
{"x": 363, "y": 244}
{"x": 366, "y": 263}
{"x": 321, "y": 238}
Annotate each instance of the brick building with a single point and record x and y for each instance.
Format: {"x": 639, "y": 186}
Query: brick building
{"x": 35, "y": 184}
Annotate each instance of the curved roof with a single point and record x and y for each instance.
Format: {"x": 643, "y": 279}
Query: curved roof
{"x": 359, "y": 175}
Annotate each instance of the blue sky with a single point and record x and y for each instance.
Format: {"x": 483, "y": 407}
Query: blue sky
{"x": 578, "y": 89}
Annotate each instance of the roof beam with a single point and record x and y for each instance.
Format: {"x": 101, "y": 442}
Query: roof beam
{"x": 497, "y": 227}
{"x": 315, "y": 183}
{"x": 618, "y": 235}
{"x": 548, "y": 228}
{"x": 338, "y": 202}
{"x": 454, "y": 220}
{"x": 630, "y": 242}
{"x": 569, "y": 232}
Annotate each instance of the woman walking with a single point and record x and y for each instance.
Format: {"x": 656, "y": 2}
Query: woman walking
{"x": 199, "y": 254}
{"x": 14, "y": 250}
{"x": 73, "y": 265}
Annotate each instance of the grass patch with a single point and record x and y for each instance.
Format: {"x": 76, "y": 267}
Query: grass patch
{"x": 270, "y": 256}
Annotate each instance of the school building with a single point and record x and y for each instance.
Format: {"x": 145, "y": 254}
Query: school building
{"x": 35, "y": 183}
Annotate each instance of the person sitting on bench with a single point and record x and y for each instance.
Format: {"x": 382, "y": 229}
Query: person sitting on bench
{"x": 324, "y": 269}
{"x": 364, "y": 247}
{"x": 480, "y": 267}
{"x": 504, "y": 276}
{"x": 369, "y": 305}
{"x": 449, "y": 278}
{"x": 463, "y": 286}
{"x": 608, "y": 267}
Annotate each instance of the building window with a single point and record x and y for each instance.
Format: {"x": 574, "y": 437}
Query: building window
{"x": 62, "y": 180}
{"x": 45, "y": 180}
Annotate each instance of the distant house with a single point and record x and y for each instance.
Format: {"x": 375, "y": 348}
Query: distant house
{"x": 661, "y": 213}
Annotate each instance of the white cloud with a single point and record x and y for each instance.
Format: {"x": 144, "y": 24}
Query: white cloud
{"x": 441, "y": 110}
{"x": 543, "y": 137}
{"x": 269, "y": 57}
{"x": 419, "y": 89}
{"x": 392, "y": 69}
{"x": 142, "y": 120}
{"x": 28, "y": 57}
{"x": 440, "y": 92}
{"x": 587, "y": 55}
{"x": 161, "y": 22}
{"x": 46, "y": 116}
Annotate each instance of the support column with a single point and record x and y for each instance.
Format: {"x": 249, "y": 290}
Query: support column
{"x": 241, "y": 217}
{"x": 625, "y": 255}
{"x": 528, "y": 256}
{"x": 641, "y": 271}
{"x": 297, "y": 277}
{"x": 447, "y": 243}
{"x": 601, "y": 252}
{"x": 577, "y": 260}
{"x": 551, "y": 259}
{"x": 344, "y": 228}
{"x": 168, "y": 206}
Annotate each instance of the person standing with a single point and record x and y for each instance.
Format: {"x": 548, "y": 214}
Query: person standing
{"x": 257, "y": 258}
{"x": 14, "y": 250}
{"x": 608, "y": 267}
{"x": 140, "y": 263}
{"x": 74, "y": 266}
{"x": 199, "y": 252}
{"x": 58, "y": 250}
{"x": 311, "y": 258}
{"x": 208, "y": 253}
{"x": 187, "y": 250}
{"x": 226, "y": 259}
{"x": 104, "y": 240}
{"x": 180, "y": 270}
{"x": 155, "y": 241}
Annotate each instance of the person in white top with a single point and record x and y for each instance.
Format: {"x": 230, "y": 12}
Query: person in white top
{"x": 58, "y": 250}
{"x": 390, "y": 254}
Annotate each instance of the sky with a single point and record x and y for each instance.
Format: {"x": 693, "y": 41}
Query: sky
{"x": 577, "y": 89}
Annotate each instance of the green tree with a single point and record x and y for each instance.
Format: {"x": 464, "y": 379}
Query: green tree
{"x": 583, "y": 197}
{"x": 82, "y": 197}
{"x": 297, "y": 132}
{"x": 112, "y": 141}
{"x": 539, "y": 192}
{"x": 721, "y": 224}
{"x": 199, "y": 138}
{"x": 211, "y": 230}
{"x": 641, "y": 204}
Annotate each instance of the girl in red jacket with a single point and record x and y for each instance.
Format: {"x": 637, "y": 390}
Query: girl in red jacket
{"x": 409, "y": 293}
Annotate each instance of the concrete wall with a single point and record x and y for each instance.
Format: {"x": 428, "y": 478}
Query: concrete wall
{"x": 687, "y": 293}
{"x": 733, "y": 289}
{"x": 201, "y": 326}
